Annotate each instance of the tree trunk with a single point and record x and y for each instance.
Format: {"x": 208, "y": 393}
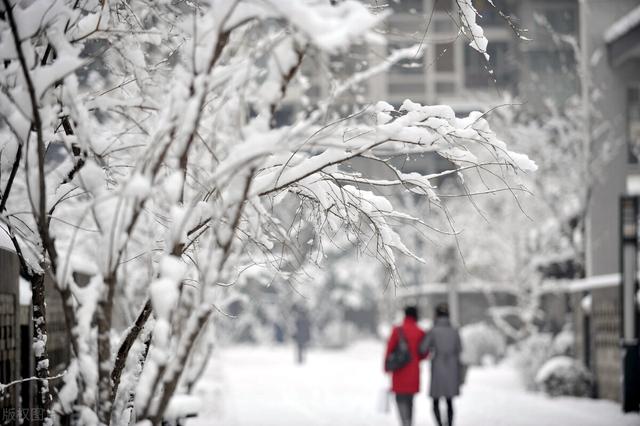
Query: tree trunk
{"x": 43, "y": 399}
{"x": 125, "y": 347}
{"x": 171, "y": 375}
{"x": 105, "y": 386}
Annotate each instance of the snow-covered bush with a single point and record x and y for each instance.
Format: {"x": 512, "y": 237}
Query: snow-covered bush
{"x": 562, "y": 375}
{"x": 537, "y": 350}
{"x": 531, "y": 354}
{"x": 482, "y": 344}
{"x": 563, "y": 343}
{"x": 337, "y": 334}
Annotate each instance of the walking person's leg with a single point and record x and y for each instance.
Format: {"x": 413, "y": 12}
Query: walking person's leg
{"x": 450, "y": 411}
{"x": 405, "y": 408}
{"x": 436, "y": 411}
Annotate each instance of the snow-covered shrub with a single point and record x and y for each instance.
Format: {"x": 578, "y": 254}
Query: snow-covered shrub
{"x": 562, "y": 375}
{"x": 337, "y": 334}
{"x": 531, "y": 354}
{"x": 563, "y": 343}
{"x": 481, "y": 344}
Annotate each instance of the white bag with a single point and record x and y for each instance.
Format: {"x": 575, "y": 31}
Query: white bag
{"x": 384, "y": 400}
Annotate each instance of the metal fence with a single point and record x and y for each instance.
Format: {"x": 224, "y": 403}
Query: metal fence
{"x": 9, "y": 331}
{"x": 597, "y": 328}
{"x": 17, "y": 403}
{"x": 605, "y": 329}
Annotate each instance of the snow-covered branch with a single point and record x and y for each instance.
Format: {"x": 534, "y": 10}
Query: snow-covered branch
{"x": 146, "y": 147}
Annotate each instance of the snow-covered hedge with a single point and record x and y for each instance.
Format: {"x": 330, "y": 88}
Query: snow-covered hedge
{"x": 537, "y": 351}
{"x": 481, "y": 344}
{"x": 532, "y": 353}
{"x": 562, "y": 375}
{"x": 337, "y": 335}
{"x": 563, "y": 343}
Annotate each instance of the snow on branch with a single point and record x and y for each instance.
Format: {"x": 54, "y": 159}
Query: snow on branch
{"x": 468, "y": 15}
{"x": 150, "y": 169}
{"x": 5, "y": 386}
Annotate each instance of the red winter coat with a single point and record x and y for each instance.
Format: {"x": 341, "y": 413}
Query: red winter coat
{"x": 407, "y": 379}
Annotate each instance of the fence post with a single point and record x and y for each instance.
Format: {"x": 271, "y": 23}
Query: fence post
{"x": 628, "y": 305}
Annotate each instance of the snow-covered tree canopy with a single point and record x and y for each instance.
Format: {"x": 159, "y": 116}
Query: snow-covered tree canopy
{"x": 140, "y": 147}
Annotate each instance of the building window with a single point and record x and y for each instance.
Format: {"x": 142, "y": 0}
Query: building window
{"x": 346, "y": 64}
{"x": 478, "y": 73}
{"x": 411, "y": 6}
{"x": 563, "y": 18}
{"x": 415, "y": 90}
{"x": 445, "y": 87}
{"x": 411, "y": 66}
{"x": 442, "y": 5}
{"x": 552, "y": 61}
{"x": 490, "y": 13}
{"x": 633, "y": 124}
{"x": 406, "y": 77}
{"x": 445, "y": 26}
{"x": 444, "y": 57}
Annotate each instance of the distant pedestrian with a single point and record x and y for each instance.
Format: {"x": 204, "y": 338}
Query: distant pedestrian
{"x": 405, "y": 381}
{"x": 278, "y": 333}
{"x": 302, "y": 333}
{"x": 443, "y": 343}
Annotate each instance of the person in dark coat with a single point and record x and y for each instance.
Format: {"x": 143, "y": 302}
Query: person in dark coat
{"x": 444, "y": 345}
{"x": 405, "y": 382}
{"x": 302, "y": 333}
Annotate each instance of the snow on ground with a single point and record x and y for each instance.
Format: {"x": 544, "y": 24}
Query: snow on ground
{"x": 262, "y": 386}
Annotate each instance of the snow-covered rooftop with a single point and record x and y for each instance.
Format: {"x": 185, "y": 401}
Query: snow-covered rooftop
{"x": 623, "y": 25}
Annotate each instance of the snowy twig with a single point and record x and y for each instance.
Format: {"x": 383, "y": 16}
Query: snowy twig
{"x": 5, "y": 386}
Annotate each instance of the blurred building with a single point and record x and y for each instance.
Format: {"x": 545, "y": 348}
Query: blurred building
{"x": 527, "y": 61}
{"x": 610, "y": 45}
{"x": 452, "y": 73}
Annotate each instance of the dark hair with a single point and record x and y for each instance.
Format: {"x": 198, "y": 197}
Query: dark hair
{"x": 411, "y": 311}
{"x": 442, "y": 310}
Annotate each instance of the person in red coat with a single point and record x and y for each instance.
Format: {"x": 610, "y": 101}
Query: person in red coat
{"x": 405, "y": 382}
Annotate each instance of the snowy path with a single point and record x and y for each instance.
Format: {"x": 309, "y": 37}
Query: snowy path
{"x": 258, "y": 386}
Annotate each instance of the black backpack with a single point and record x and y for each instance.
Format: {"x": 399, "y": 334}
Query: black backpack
{"x": 400, "y": 355}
